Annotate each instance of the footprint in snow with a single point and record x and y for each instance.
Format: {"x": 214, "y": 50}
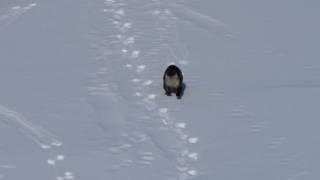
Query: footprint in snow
{"x": 146, "y": 158}
{"x": 151, "y": 96}
{"x": 125, "y": 27}
{"x": 147, "y": 83}
{"x": 135, "y": 54}
{"x": 141, "y": 68}
{"x": 128, "y": 41}
{"x": 66, "y": 175}
{"x": 54, "y": 161}
{"x": 135, "y": 80}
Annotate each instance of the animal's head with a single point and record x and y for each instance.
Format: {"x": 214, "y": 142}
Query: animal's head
{"x": 171, "y": 70}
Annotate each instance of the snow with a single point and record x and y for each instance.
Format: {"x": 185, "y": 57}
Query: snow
{"x": 81, "y": 90}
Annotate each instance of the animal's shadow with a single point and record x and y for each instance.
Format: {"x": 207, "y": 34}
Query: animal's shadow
{"x": 184, "y": 86}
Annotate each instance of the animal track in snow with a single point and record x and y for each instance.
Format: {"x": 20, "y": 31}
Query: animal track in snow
{"x": 192, "y": 172}
{"x": 135, "y": 80}
{"x": 124, "y": 51}
{"x": 163, "y": 110}
{"x": 181, "y": 125}
{"x": 67, "y": 175}
{"x": 135, "y": 54}
{"x": 129, "y": 66}
{"x": 165, "y": 121}
{"x": 128, "y": 41}
{"x": 51, "y": 162}
{"x": 149, "y": 104}
{"x": 141, "y": 68}
{"x": 186, "y": 173}
{"x": 151, "y": 96}
{"x": 54, "y": 161}
{"x": 119, "y": 36}
{"x": 126, "y": 48}
{"x": 193, "y": 156}
{"x": 147, "y": 156}
{"x": 125, "y": 27}
{"x": 119, "y": 14}
{"x": 182, "y": 135}
{"x": 60, "y": 157}
{"x": 119, "y": 148}
{"x": 116, "y": 22}
{"x": 147, "y": 83}
{"x": 193, "y": 140}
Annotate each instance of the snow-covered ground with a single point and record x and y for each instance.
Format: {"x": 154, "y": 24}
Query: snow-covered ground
{"x": 81, "y": 90}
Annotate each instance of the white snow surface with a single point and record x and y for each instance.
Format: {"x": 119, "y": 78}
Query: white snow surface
{"x": 81, "y": 92}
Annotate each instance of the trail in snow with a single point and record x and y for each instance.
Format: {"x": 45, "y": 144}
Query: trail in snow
{"x": 39, "y": 135}
{"x": 132, "y": 53}
{"x": 10, "y": 15}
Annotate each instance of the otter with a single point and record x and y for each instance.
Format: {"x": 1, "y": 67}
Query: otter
{"x": 173, "y": 81}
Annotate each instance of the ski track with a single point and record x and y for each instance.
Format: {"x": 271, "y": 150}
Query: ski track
{"x": 44, "y": 139}
{"x": 13, "y": 13}
{"x": 134, "y": 48}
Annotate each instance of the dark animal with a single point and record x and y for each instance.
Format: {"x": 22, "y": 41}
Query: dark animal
{"x": 173, "y": 81}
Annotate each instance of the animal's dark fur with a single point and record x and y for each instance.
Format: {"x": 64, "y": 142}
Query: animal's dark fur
{"x": 172, "y": 71}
